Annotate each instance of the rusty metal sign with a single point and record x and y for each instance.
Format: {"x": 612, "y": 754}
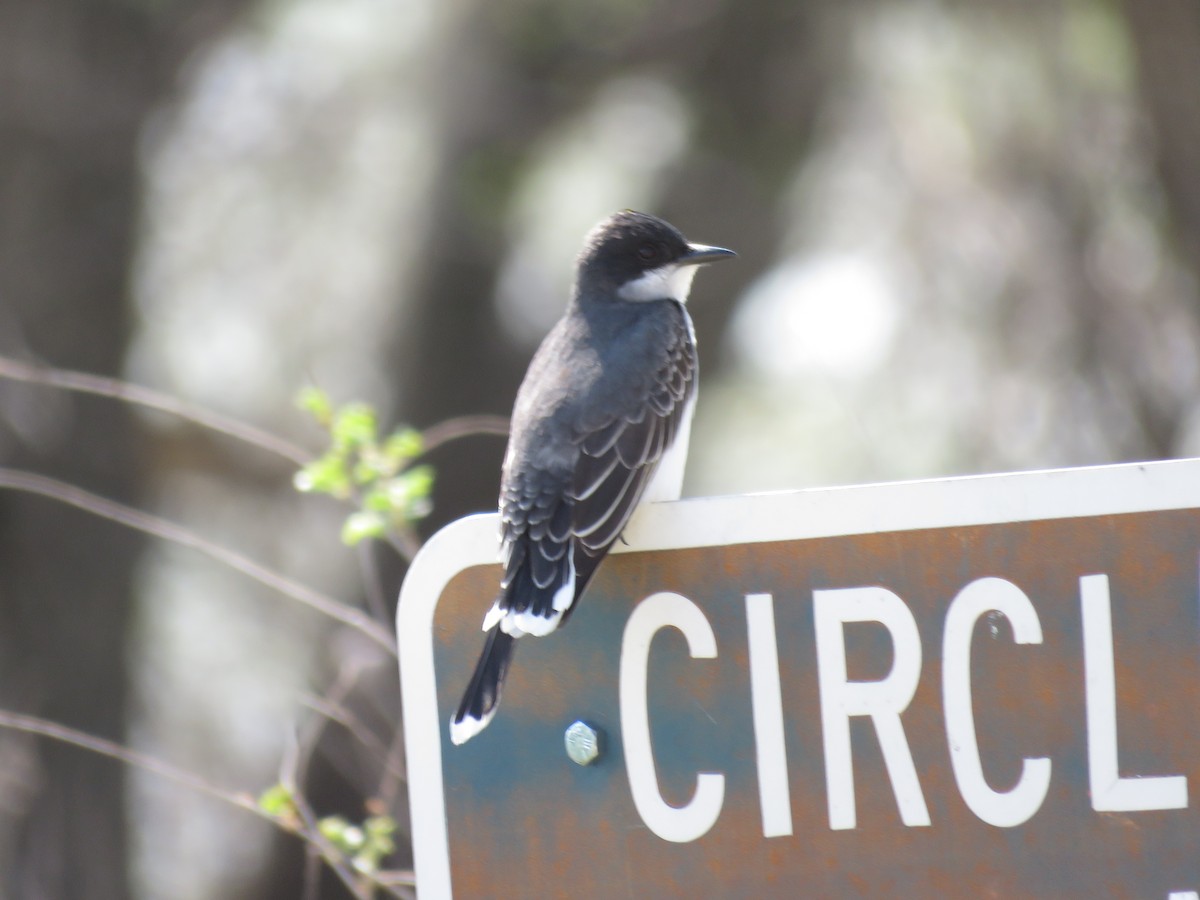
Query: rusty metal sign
{"x": 979, "y": 687}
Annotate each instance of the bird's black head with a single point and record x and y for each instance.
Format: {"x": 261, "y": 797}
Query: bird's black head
{"x": 635, "y": 256}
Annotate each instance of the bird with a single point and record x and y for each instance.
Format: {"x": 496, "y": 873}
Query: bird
{"x": 600, "y": 423}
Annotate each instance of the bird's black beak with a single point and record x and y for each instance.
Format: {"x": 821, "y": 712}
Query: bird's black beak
{"x": 700, "y": 254}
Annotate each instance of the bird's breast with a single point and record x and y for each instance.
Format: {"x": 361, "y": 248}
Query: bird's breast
{"x": 667, "y": 482}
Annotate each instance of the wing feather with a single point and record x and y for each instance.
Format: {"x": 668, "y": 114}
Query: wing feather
{"x": 559, "y": 519}
{"x": 619, "y": 458}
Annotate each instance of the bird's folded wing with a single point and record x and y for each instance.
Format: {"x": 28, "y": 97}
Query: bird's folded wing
{"x": 550, "y": 513}
{"x": 618, "y": 459}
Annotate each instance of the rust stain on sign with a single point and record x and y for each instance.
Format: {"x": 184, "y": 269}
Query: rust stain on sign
{"x": 523, "y": 821}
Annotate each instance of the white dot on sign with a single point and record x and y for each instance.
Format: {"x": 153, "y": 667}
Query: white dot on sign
{"x": 836, "y": 314}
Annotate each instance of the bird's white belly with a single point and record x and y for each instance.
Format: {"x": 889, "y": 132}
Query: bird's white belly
{"x": 667, "y": 481}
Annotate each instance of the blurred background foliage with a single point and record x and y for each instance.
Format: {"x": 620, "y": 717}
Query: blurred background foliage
{"x": 969, "y": 238}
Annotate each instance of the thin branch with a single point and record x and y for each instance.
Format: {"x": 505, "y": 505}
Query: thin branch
{"x": 394, "y": 773}
{"x": 333, "y": 858}
{"x": 463, "y": 426}
{"x": 143, "y": 396}
{"x": 359, "y": 884}
{"x": 403, "y": 538}
{"x": 404, "y": 541}
{"x": 169, "y": 531}
{"x": 44, "y": 728}
{"x": 115, "y": 389}
{"x": 310, "y": 832}
{"x": 398, "y": 878}
{"x": 291, "y": 779}
{"x": 372, "y": 581}
{"x": 335, "y": 712}
{"x": 312, "y": 873}
{"x": 347, "y": 678}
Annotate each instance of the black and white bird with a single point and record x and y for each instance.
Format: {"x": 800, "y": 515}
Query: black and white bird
{"x": 600, "y": 424}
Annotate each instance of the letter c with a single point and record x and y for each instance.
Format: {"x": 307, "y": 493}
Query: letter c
{"x": 695, "y": 818}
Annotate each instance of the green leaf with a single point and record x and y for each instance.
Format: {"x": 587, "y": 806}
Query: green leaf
{"x": 277, "y": 801}
{"x": 316, "y": 402}
{"x": 403, "y": 445}
{"x": 361, "y": 525}
{"x": 379, "y": 499}
{"x": 371, "y": 466}
{"x": 380, "y": 831}
{"x": 361, "y": 465}
{"x": 410, "y": 492}
{"x": 354, "y": 426}
{"x": 419, "y": 480}
{"x": 377, "y": 843}
{"x": 326, "y": 475}
{"x": 343, "y": 834}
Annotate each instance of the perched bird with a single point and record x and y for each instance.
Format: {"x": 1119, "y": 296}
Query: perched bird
{"x": 601, "y": 423}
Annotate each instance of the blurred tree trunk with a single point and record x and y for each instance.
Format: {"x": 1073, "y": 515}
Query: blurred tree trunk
{"x": 1166, "y": 34}
{"x": 756, "y": 81}
{"x": 738, "y": 66}
{"x": 77, "y": 82}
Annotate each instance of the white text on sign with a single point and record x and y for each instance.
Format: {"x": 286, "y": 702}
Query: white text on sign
{"x": 882, "y": 702}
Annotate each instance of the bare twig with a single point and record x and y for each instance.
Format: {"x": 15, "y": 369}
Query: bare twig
{"x": 347, "y": 677}
{"x": 372, "y": 581}
{"x": 291, "y": 777}
{"x": 142, "y": 396}
{"x": 359, "y": 884}
{"x": 398, "y": 878}
{"x": 312, "y": 873}
{"x": 161, "y": 528}
{"x": 405, "y": 541}
{"x": 463, "y": 426}
{"x": 309, "y": 831}
{"x": 328, "y": 852}
{"x": 403, "y": 538}
{"x": 335, "y": 712}
{"x": 394, "y": 773}
{"x": 44, "y": 728}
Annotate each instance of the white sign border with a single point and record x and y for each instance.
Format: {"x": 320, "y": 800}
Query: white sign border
{"x": 745, "y": 519}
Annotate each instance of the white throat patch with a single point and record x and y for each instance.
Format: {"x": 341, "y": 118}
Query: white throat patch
{"x": 671, "y": 281}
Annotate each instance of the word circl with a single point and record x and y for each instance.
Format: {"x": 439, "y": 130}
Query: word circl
{"x": 882, "y": 702}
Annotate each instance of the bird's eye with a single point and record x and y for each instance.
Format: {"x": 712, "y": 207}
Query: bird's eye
{"x": 648, "y": 252}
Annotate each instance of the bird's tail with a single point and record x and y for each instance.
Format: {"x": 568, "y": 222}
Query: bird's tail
{"x": 483, "y": 692}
